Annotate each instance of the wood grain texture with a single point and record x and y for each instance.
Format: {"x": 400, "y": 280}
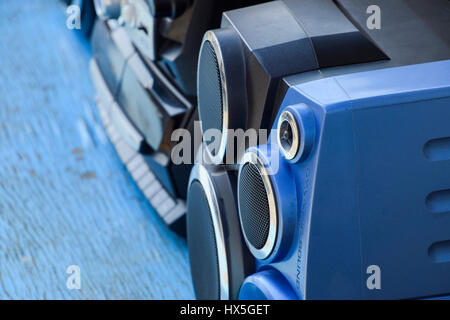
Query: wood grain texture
{"x": 65, "y": 198}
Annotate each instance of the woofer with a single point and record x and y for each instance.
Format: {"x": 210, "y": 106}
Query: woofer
{"x": 218, "y": 256}
{"x": 257, "y": 206}
{"x": 221, "y": 87}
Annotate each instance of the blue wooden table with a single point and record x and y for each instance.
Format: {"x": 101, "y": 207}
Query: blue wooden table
{"x": 65, "y": 198}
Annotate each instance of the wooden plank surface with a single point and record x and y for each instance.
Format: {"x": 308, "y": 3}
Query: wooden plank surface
{"x": 65, "y": 198}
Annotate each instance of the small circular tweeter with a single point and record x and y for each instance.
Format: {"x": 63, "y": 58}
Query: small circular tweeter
{"x": 257, "y": 206}
{"x": 288, "y": 135}
{"x": 218, "y": 256}
{"x": 107, "y": 9}
{"x": 221, "y": 89}
{"x": 296, "y": 132}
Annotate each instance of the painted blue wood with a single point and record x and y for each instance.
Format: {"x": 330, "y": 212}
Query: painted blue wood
{"x": 65, "y": 198}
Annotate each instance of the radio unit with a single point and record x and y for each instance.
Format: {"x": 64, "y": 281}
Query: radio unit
{"x": 144, "y": 69}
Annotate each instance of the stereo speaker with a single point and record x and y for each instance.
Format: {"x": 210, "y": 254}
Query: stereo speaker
{"x": 218, "y": 256}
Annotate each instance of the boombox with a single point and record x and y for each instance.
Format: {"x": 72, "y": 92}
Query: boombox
{"x": 349, "y": 198}
{"x": 144, "y": 71}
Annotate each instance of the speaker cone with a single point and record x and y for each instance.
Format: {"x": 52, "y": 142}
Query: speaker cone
{"x": 257, "y": 206}
{"x": 221, "y": 87}
{"x": 218, "y": 257}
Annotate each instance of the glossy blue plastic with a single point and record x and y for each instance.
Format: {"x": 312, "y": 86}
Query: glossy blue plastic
{"x": 375, "y": 188}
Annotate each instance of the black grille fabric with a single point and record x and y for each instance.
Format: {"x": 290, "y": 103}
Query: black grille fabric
{"x": 202, "y": 245}
{"x": 253, "y": 206}
{"x": 209, "y": 89}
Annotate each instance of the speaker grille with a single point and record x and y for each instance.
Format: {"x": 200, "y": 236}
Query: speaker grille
{"x": 210, "y": 100}
{"x": 253, "y": 206}
{"x": 202, "y": 245}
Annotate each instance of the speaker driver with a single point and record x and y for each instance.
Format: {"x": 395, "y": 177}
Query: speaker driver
{"x": 205, "y": 265}
{"x": 221, "y": 87}
{"x": 218, "y": 256}
{"x": 257, "y": 206}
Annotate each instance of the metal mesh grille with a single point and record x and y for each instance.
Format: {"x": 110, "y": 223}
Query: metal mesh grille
{"x": 253, "y": 206}
{"x": 209, "y": 90}
{"x": 202, "y": 245}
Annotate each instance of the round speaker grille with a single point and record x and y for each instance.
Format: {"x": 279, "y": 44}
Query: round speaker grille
{"x": 210, "y": 100}
{"x": 253, "y": 206}
{"x": 202, "y": 245}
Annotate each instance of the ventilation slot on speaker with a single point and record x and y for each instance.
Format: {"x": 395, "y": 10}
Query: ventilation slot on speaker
{"x": 440, "y": 251}
{"x": 439, "y": 201}
{"x": 437, "y": 149}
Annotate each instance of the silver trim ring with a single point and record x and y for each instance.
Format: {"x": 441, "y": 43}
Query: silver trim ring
{"x": 200, "y": 174}
{"x": 266, "y": 250}
{"x": 296, "y": 136}
{"x": 210, "y": 36}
